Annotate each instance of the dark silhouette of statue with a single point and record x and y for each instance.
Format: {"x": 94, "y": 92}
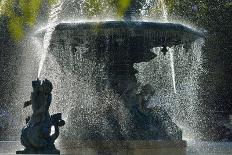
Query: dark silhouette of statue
{"x": 145, "y": 95}
{"x": 36, "y": 136}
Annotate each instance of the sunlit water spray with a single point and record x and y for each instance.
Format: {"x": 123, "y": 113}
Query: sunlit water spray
{"x": 52, "y": 21}
{"x": 165, "y": 16}
{"x": 76, "y": 98}
{"x": 173, "y": 70}
{"x": 181, "y": 96}
{"x": 164, "y": 10}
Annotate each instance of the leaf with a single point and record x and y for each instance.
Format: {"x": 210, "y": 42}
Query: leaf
{"x": 21, "y": 13}
{"x": 123, "y": 6}
{"x": 15, "y": 26}
{"x": 30, "y": 10}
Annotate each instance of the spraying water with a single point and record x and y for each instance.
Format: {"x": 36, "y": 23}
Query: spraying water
{"x": 78, "y": 95}
{"x": 52, "y": 21}
{"x": 173, "y": 70}
{"x": 164, "y": 10}
{"x": 165, "y": 16}
{"x": 184, "y": 106}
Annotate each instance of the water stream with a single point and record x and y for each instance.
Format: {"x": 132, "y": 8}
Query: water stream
{"x": 52, "y": 21}
{"x": 173, "y": 69}
{"x": 165, "y": 16}
{"x": 164, "y": 10}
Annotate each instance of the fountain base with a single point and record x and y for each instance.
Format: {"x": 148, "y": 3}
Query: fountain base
{"x": 134, "y": 147}
{"x": 128, "y": 144}
{"x": 39, "y": 152}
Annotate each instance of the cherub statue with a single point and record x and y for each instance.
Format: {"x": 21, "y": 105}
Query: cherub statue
{"x": 36, "y": 136}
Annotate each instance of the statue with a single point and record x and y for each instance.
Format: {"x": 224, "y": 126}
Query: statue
{"x": 145, "y": 95}
{"x": 36, "y": 135}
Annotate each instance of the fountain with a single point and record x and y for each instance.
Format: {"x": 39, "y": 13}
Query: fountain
{"x": 111, "y": 48}
{"x": 102, "y": 55}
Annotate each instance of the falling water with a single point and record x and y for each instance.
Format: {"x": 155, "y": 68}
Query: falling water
{"x": 173, "y": 69}
{"x": 52, "y": 21}
{"x": 164, "y": 10}
{"x": 165, "y": 16}
{"x": 184, "y": 105}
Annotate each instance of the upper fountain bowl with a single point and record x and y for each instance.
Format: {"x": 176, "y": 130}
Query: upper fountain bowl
{"x": 124, "y": 40}
{"x": 153, "y": 33}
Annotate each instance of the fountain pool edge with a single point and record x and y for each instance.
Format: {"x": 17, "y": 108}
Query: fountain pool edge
{"x": 115, "y": 146}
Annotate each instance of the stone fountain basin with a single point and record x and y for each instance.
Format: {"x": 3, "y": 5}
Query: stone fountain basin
{"x": 135, "y": 38}
{"x": 194, "y": 148}
{"x": 152, "y": 34}
{"x": 108, "y": 147}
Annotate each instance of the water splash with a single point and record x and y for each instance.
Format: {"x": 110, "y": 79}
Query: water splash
{"x": 52, "y": 22}
{"x": 164, "y": 10}
{"x": 173, "y": 70}
{"x": 185, "y": 106}
{"x": 165, "y": 16}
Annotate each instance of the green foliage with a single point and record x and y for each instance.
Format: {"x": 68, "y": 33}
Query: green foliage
{"x": 194, "y": 10}
{"x": 30, "y": 10}
{"x": 20, "y": 13}
{"x": 122, "y": 7}
{"x": 170, "y": 5}
{"x": 93, "y": 8}
{"x": 52, "y": 2}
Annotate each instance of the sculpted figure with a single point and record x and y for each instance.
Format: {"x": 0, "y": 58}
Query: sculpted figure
{"x": 36, "y": 135}
{"x": 145, "y": 95}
